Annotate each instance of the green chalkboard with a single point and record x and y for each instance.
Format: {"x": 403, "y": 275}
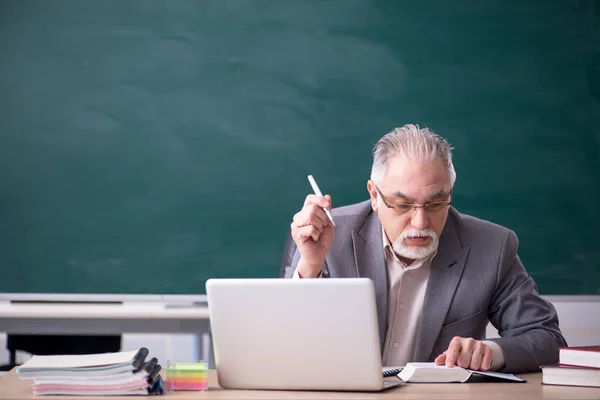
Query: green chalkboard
{"x": 146, "y": 146}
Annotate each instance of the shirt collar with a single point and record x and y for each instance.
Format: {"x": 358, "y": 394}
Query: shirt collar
{"x": 387, "y": 247}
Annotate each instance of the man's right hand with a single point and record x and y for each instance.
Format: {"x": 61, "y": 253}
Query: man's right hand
{"x": 313, "y": 234}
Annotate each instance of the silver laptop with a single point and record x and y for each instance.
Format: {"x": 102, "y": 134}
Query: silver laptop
{"x": 304, "y": 334}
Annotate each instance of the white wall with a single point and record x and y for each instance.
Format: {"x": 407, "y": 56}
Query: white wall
{"x": 579, "y": 318}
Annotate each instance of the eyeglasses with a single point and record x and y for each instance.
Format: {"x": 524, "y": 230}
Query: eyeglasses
{"x": 403, "y": 208}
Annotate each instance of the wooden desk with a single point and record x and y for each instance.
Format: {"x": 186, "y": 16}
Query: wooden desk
{"x": 11, "y": 387}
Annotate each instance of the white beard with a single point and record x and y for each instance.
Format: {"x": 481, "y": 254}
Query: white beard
{"x": 416, "y": 252}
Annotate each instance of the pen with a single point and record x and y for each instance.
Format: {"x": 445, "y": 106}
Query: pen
{"x": 317, "y": 191}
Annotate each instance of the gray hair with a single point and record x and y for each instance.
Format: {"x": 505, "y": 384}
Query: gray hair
{"x": 412, "y": 143}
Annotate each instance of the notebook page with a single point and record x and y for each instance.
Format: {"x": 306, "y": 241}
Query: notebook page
{"x": 76, "y": 361}
{"x": 83, "y": 380}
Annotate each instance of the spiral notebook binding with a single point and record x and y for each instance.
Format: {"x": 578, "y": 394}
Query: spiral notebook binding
{"x": 391, "y": 372}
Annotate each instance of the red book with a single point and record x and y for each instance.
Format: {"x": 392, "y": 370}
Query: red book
{"x": 583, "y": 356}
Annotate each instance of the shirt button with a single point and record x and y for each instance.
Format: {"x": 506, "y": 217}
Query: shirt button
{"x": 402, "y": 306}
{"x": 396, "y": 345}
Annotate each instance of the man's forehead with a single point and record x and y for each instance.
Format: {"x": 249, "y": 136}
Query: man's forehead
{"x": 417, "y": 180}
{"x": 410, "y": 169}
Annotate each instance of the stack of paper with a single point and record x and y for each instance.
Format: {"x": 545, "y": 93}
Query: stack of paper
{"x": 121, "y": 373}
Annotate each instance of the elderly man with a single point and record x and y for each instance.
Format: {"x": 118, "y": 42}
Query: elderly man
{"x": 439, "y": 275}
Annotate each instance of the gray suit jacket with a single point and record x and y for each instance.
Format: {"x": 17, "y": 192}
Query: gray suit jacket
{"x": 475, "y": 277}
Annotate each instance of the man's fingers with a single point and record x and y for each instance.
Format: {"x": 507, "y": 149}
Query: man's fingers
{"x": 467, "y": 348}
{"x": 318, "y": 200}
{"x": 441, "y": 359}
{"x": 477, "y": 356}
{"x": 318, "y": 213}
{"x": 453, "y": 351}
{"x": 486, "y": 362}
{"x": 311, "y": 214}
{"x": 304, "y": 233}
{"x": 306, "y": 217}
{"x": 467, "y": 353}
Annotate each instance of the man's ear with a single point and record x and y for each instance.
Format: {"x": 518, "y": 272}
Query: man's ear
{"x": 374, "y": 195}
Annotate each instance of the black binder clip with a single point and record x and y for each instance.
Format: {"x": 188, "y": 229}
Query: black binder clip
{"x": 157, "y": 387}
{"x": 140, "y": 357}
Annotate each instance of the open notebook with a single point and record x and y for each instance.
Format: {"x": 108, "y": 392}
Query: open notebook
{"x": 120, "y": 373}
{"x": 432, "y": 373}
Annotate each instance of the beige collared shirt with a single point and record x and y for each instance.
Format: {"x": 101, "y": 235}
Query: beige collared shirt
{"x": 406, "y": 293}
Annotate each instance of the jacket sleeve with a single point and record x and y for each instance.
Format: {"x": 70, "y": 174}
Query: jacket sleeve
{"x": 527, "y": 324}
{"x": 288, "y": 261}
{"x": 290, "y": 257}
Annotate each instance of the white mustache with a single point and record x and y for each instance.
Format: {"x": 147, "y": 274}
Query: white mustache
{"x": 418, "y": 233}
{"x": 416, "y": 252}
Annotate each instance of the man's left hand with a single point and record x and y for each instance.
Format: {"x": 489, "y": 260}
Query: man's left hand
{"x": 466, "y": 353}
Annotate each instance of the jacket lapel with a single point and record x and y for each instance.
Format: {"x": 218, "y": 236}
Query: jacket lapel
{"x": 444, "y": 275}
{"x": 370, "y": 263}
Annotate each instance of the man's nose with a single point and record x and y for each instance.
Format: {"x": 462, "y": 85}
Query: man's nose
{"x": 419, "y": 219}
